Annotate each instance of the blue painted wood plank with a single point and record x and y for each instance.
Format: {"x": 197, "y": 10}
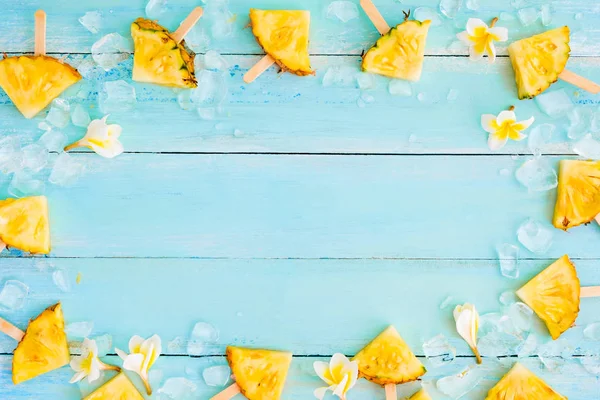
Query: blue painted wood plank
{"x": 65, "y": 34}
{"x": 310, "y": 307}
{"x": 293, "y": 114}
{"x": 165, "y": 205}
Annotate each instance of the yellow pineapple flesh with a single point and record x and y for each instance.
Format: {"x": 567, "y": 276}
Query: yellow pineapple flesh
{"x": 24, "y": 224}
{"x": 388, "y": 359}
{"x": 578, "y": 193}
{"x": 421, "y": 395}
{"x": 44, "y": 347}
{"x": 522, "y": 384}
{"x": 32, "y": 82}
{"x": 400, "y": 52}
{"x": 283, "y": 35}
{"x": 539, "y": 60}
{"x": 158, "y": 58}
{"x": 554, "y": 295}
{"x": 118, "y": 388}
{"x": 260, "y": 374}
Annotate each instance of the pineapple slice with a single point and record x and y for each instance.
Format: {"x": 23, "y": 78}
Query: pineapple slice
{"x": 387, "y": 359}
{"x": 284, "y": 36}
{"x": 118, "y": 388}
{"x": 522, "y": 384}
{"x": 400, "y": 52}
{"x": 43, "y": 348}
{"x": 578, "y": 198}
{"x": 24, "y": 224}
{"x": 421, "y": 395}
{"x": 554, "y": 295}
{"x": 260, "y": 374}
{"x": 158, "y": 58}
{"x": 539, "y": 60}
{"x": 32, "y": 82}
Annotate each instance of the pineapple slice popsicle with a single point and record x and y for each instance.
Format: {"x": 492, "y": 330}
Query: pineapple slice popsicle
{"x": 119, "y": 387}
{"x": 161, "y": 57}
{"x": 42, "y": 347}
{"x": 32, "y": 82}
{"x": 540, "y": 60}
{"x": 522, "y": 384}
{"x": 388, "y": 361}
{"x": 24, "y": 224}
{"x": 283, "y": 35}
{"x": 259, "y": 374}
{"x": 400, "y": 51}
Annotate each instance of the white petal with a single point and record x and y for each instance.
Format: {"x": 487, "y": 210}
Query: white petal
{"x": 474, "y": 55}
{"x": 114, "y": 131}
{"x": 340, "y": 389}
{"x": 322, "y": 368}
{"x": 500, "y": 32}
{"x": 91, "y": 346}
{"x": 474, "y": 23}
{"x": 337, "y": 360}
{"x": 75, "y": 363}
{"x": 134, "y": 362}
{"x": 487, "y": 121}
{"x": 463, "y": 327}
{"x": 151, "y": 348}
{"x": 94, "y": 375}
{"x": 506, "y": 116}
{"x": 520, "y": 136}
{"x": 353, "y": 373}
{"x": 492, "y": 55}
{"x": 77, "y": 377}
{"x": 108, "y": 149}
{"x": 496, "y": 143}
{"x": 320, "y": 392}
{"x": 464, "y": 37}
{"x": 121, "y": 353}
{"x": 136, "y": 341}
{"x": 527, "y": 123}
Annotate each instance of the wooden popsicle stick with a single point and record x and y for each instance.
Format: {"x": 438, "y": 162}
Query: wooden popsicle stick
{"x": 390, "y": 392}
{"x": 227, "y": 393}
{"x": 579, "y": 81}
{"x": 590, "y": 291}
{"x": 2, "y": 246}
{"x": 187, "y": 24}
{"x": 598, "y": 219}
{"x": 375, "y": 16}
{"x": 11, "y": 330}
{"x": 40, "y": 33}
{"x": 258, "y": 68}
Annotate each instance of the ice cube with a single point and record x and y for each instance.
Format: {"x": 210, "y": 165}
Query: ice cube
{"x": 446, "y": 302}
{"x": 66, "y": 170}
{"x": 197, "y": 39}
{"x": 555, "y": 104}
{"x": 340, "y": 75}
{"x": 450, "y": 7}
{"x": 61, "y": 280}
{"x": 117, "y": 96}
{"x": 521, "y": 316}
{"x": 54, "y": 140}
{"x": 79, "y": 330}
{"x": 104, "y": 343}
{"x": 546, "y": 14}
{"x": 214, "y": 61}
{"x": 591, "y": 363}
{"x": 555, "y": 353}
{"x": 473, "y": 5}
{"x": 580, "y": 122}
{"x": 211, "y": 90}
{"x": 44, "y": 126}
{"x": 452, "y": 95}
{"x": 111, "y": 50}
{"x": 60, "y": 113}
{"x": 89, "y": 69}
{"x": 80, "y": 117}
{"x": 587, "y": 147}
{"x": 528, "y": 347}
{"x": 536, "y": 237}
{"x": 427, "y": 13}
{"x": 35, "y": 157}
{"x": 592, "y": 331}
{"x": 13, "y": 295}
{"x": 528, "y": 15}
{"x": 498, "y": 344}
{"x": 177, "y": 345}
{"x": 222, "y": 24}
{"x": 508, "y": 256}
{"x": 367, "y": 98}
{"x": 428, "y": 98}
{"x": 202, "y": 335}
{"x": 507, "y": 325}
{"x": 342, "y": 10}
{"x": 438, "y": 351}
{"x": 92, "y": 21}
{"x": 177, "y": 389}
{"x": 507, "y": 298}
{"x": 456, "y": 386}
{"x": 216, "y": 376}
{"x": 24, "y": 185}
{"x": 156, "y": 8}
{"x": 537, "y": 175}
{"x": 155, "y": 377}
{"x": 365, "y": 81}
{"x": 489, "y": 323}
{"x": 238, "y": 133}
{"x": 506, "y": 16}
{"x": 578, "y": 16}
{"x": 398, "y": 87}
{"x": 11, "y": 157}
{"x": 540, "y": 137}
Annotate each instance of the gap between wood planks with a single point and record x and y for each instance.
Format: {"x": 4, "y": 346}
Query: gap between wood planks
{"x": 327, "y": 154}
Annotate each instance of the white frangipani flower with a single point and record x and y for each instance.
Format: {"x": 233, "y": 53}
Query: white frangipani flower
{"x": 88, "y": 364}
{"x": 143, "y": 354}
{"x": 467, "y": 325}
{"x": 340, "y": 374}
{"x": 504, "y": 127}
{"x": 101, "y": 138}
{"x": 480, "y": 38}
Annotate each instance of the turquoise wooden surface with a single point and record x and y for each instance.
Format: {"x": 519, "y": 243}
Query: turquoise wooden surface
{"x": 306, "y": 250}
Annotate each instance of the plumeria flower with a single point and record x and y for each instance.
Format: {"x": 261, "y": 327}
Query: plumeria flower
{"x": 340, "y": 374}
{"x": 480, "y": 38}
{"x": 88, "y": 364}
{"x": 101, "y": 138}
{"x": 467, "y": 325}
{"x": 504, "y": 127}
{"x": 143, "y": 354}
